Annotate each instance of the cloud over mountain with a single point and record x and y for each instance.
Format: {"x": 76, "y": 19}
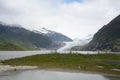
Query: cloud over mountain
{"x": 81, "y": 17}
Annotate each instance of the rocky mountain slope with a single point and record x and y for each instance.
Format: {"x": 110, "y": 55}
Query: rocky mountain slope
{"x": 107, "y": 38}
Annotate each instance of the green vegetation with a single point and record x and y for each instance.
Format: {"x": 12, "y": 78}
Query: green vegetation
{"x": 4, "y": 45}
{"x": 34, "y": 39}
{"x": 21, "y": 35}
{"x": 90, "y": 62}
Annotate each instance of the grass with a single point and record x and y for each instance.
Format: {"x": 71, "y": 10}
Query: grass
{"x": 87, "y": 62}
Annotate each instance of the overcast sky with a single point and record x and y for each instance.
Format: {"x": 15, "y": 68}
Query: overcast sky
{"x": 74, "y": 18}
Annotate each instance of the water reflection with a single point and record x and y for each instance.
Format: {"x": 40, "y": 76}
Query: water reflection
{"x": 55, "y": 75}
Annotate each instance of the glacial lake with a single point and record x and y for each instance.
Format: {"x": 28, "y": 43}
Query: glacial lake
{"x": 16, "y": 54}
{"x": 54, "y": 75}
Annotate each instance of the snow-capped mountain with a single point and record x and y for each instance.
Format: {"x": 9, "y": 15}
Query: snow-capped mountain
{"x": 41, "y": 31}
{"x": 76, "y": 42}
{"x": 53, "y": 35}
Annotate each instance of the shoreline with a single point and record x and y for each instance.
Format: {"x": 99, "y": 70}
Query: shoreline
{"x": 7, "y": 69}
{"x": 97, "y": 64}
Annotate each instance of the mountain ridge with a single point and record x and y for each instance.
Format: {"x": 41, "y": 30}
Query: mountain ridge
{"x": 23, "y": 36}
{"x": 16, "y": 34}
{"x": 56, "y": 36}
{"x": 107, "y": 38}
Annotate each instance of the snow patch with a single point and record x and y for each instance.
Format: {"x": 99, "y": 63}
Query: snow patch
{"x": 42, "y": 31}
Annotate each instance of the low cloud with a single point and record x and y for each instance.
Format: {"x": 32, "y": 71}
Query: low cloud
{"x": 74, "y": 18}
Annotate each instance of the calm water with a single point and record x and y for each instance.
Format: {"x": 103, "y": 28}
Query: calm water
{"x": 54, "y": 75}
{"x": 16, "y": 54}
